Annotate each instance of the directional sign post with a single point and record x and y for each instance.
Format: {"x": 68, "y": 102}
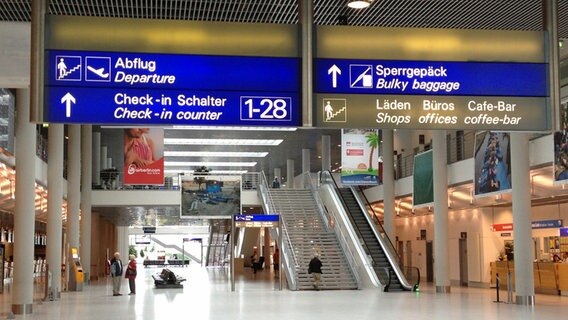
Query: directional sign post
{"x": 334, "y": 71}
{"x": 161, "y": 89}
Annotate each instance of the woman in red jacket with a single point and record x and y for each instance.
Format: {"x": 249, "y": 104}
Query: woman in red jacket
{"x": 131, "y": 274}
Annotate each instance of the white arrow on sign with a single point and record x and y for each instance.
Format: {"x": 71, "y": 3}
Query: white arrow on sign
{"x": 334, "y": 71}
{"x": 68, "y": 99}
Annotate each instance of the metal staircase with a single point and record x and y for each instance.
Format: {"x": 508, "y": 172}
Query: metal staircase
{"x": 217, "y": 253}
{"x": 306, "y": 233}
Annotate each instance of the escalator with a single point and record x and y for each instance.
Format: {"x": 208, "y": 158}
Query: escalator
{"x": 376, "y": 243}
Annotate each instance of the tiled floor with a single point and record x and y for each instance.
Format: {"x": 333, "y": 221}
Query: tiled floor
{"x": 207, "y": 295}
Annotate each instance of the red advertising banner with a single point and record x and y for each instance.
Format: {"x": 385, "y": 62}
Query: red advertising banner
{"x": 144, "y": 156}
{"x": 503, "y": 227}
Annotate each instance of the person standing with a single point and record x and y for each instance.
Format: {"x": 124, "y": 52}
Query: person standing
{"x": 315, "y": 270}
{"x": 131, "y": 273}
{"x": 276, "y": 262}
{"x": 275, "y": 183}
{"x": 116, "y": 274}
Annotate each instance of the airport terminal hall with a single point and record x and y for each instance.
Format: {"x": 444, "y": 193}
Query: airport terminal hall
{"x": 283, "y": 159}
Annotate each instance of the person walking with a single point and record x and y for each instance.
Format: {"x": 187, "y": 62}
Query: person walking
{"x": 315, "y": 270}
{"x": 131, "y": 273}
{"x": 116, "y": 274}
{"x": 276, "y": 262}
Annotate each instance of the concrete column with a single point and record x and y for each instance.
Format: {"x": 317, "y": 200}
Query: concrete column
{"x": 388, "y": 183}
{"x": 73, "y": 184}
{"x": 55, "y": 151}
{"x": 325, "y": 153}
{"x": 306, "y": 158}
{"x": 122, "y": 242}
{"x": 278, "y": 174}
{"x": 96, "y": 158}
{"x": 290, "y": 173}
{"x": 441, "y": 257}
{"x": 86, "y": 182}
{"x": 104, "y": 154}
{"x": 24, "y": 217}
{"x": 266, "y": 248}
{"x": 522, "y": 232}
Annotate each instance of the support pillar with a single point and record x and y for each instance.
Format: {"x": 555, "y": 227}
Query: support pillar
{"x": 388, "y": 182}
{"x": 277, "y": 174}
{"x": 522, "y": 232}
{"x": 86, "y": 182}
{"x": 290, "y": 173}
{"x": 24, "y": 217}
{"x": 306, "y": 159}
{"x": 306, "y": 12}
{"x": 55, "y": 206}
{"x": 73, "y": 187}
{"x": 122, "y": 243}
{"x": 96, "y": 158}
{"x": 441, "y": 257}
{"x": 325, "y": 153}
{"x": 104, "y": 154}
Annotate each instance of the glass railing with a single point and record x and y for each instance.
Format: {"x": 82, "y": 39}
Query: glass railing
{"x": 287, "y": 253}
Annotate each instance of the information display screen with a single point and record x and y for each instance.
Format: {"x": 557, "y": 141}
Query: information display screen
{"x": 144, "y": 88}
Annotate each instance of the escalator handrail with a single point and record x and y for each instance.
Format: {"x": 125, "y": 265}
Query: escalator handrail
{"x": 356, "y": 226}
{"x": 378, "y": 222}
{"x": 341, "y": 238}
{"x": 388, "y": 247}
{"x": 391, "y": 251}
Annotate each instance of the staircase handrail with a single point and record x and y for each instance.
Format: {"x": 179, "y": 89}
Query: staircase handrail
{"x": 342, "y": 241}
{"x": 386, "y": 243}
{"x": 287, "y": 249}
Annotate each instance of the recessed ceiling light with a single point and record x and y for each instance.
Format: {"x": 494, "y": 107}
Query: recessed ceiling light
{"x": 212, "y": 172}
{"x": 217, "y": 128}
{"x": 215, "y": 154}
{"x": 223, "y": 142}
{"x": 359, "y": 4}
{"x": 208, "y": 164}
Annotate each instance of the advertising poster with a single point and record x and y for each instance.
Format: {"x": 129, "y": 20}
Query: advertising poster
{"x": 423, "y": 186}
{"x": 492, "y": 163}
{"x": 359, "y": 156}
{"x": 561, "y": 146}
{"x": 210, "y": 196}
{"x": 143, "y": 156}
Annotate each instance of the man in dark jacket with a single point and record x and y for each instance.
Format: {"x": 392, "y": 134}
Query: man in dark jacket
{"x": 116, "y": 274}
{"x": 315, "y": 270}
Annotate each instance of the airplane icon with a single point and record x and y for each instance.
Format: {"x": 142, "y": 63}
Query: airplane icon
{"x": 99, "y": 72}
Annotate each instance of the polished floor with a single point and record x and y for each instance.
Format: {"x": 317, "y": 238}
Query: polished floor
{"x": 207, "y": 295}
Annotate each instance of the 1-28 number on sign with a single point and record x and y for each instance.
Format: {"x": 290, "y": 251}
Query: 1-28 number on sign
{"x": 265, "y": 108}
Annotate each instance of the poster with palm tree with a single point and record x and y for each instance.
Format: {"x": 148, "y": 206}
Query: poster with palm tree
{"x": 360, "y": 156}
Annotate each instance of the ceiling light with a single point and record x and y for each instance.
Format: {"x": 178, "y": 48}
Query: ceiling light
{"x": 223, "y": 142}
{"x": 359, "y": 4}
{"x": 215, "y": 154}
{"x": 208, "y": 164}
{"x": 212, "y": 172}
{"x": 217, "y": 128}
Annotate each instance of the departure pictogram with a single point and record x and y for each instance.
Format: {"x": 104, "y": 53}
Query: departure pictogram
{"x": 98, "y": 69}
{"x": 68, "y": 68}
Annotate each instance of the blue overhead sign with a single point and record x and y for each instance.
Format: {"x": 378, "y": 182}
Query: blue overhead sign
{"x": 430, "y": 78}
{"x": 546, "y": 224}
{"x": 143, "y": 88}
{"x": 257, "y": 217}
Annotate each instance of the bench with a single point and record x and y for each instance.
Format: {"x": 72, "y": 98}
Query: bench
{"x": 167, "y": 279}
